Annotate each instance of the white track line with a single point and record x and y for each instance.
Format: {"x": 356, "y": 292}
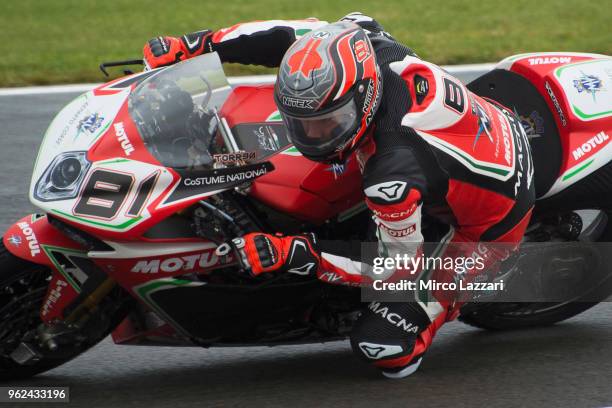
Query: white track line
{"x": 249, "y": 79}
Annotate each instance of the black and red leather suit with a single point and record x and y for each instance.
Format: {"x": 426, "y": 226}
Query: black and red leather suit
{"x": 433, "y": 147}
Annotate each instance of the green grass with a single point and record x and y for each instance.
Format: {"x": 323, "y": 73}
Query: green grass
{"x": 62, "y": 41}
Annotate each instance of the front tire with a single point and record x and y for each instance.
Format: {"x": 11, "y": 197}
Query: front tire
{"x": 23, "y": 287}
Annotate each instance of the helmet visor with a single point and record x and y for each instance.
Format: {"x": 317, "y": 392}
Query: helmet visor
{"x": 320, "y": 136}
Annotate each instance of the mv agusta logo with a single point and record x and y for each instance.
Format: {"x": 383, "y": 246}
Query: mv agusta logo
{"x": 91, "y": 123}
{"x": 589, "y": 84}
{"x": 484, "y": 123}
{"x": 224, "y": 178}
{"x": 186, "y": 263}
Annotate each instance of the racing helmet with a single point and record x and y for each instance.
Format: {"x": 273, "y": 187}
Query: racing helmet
{"x": 328, "y": 90}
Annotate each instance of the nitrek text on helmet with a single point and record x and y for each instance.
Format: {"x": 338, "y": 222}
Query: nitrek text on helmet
{"x": 224, "y": 178}
{"x": 368, "y": 97}
{"x": 297, "y": 102}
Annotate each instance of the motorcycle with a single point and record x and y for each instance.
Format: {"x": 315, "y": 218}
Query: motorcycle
{"x": 140, "y": 179}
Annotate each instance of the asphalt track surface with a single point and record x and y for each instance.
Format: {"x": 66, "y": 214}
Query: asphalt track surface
{"x": 567, "y": 365}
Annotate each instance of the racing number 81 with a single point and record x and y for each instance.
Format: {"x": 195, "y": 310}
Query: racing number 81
{"x": 106, "y": 191}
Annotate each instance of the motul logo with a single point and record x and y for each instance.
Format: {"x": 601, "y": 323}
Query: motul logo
{"x": 594, "y": 143}
{"x": 30, "y": 237}
{"x": 393, "y": 318}
{"x": 122, "y": 137}
{"x": 170, "y": 265}
{"x": 506, "y": 137}
{"x": 398, "y": 233}
{"x": 549, "y": 60}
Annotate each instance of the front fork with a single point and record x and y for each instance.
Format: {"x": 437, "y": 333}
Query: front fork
{"x": 77, "y": 285}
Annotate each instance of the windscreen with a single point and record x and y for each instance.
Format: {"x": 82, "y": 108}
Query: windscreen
{"x": 175, "y": 112}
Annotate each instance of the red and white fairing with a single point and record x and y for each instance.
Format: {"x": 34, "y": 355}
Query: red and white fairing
{"x": 98, "y": 130}
{"x": 578, "y": 90}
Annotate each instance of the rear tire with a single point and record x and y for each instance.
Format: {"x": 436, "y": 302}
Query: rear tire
{"x": 497, "y": 316}
{"x": 510, "y": 316}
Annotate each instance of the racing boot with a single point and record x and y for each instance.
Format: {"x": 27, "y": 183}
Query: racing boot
{"x": 395, "y": 336}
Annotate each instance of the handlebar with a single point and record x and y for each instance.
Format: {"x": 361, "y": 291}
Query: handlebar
{"x": 105, "y": 65}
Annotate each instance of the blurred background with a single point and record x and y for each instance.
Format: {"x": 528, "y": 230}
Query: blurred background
{"x": 63, "y": 41}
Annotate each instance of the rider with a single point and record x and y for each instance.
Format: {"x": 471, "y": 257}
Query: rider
{"x": 423, "y": 141}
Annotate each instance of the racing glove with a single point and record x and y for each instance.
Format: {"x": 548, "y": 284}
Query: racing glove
{"x": 259, "y": 253}
{"x": 162, "y": 51}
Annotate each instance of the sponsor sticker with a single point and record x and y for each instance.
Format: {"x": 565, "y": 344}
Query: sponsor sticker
{"x": 421, "y": 88}
{"x": 91, "y": 123}
{"x": 398, "y": 233}
{"x": 267, "y": 138}
{"x": 184, "y": 263}
{"x": 556, "y": 104}
{"x": 549, "y": 60}
{"x": 593, "y": 145}
{"x": 123, "y": 139}
{"x": 15, "y": 240}
{"x": 533, "y": 124}
{"x": 29, "y": 235}
{"x": 234, "y": 158}
{"x": 590, "y": 84}
{"x": 587, "y": 87}
{"x": 53, "y": 297}
{"x": 224, "y": 178}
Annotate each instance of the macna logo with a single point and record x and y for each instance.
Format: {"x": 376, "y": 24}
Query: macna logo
{"x": 376, "y": 351}
{"x": 592, "y": 145}
{"x": 184, "y": 263}
{"x": 393, "y": 318}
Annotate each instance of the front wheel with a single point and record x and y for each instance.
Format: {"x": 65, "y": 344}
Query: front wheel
{"x": 23, "y": 287}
